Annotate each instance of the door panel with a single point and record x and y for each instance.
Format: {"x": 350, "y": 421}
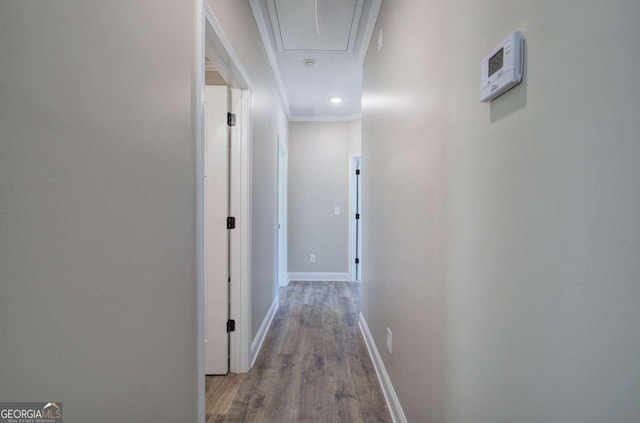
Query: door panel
{"x": 282, "y": 215}
{"x": 216, "y": 246}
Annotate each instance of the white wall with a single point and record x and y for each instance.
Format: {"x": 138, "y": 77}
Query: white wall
{"x": 318, "y": 182}
{"x": 97, "y": 208}
{"x": 269, "y": 121}
{"x": 502, "y": 240}
{"x": 354, "y": 136}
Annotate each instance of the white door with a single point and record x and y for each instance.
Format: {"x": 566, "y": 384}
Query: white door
{"x": 355, "y": 224}
{"x": 216, "y": 243}
{"x": 358, "y": 251}
{"x": 282, "y": 216}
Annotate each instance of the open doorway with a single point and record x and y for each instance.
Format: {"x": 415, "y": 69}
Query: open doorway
{"x": 216, "y": 49}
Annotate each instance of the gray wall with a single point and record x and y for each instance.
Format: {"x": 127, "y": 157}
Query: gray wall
{"x": 318, "y": 181}
{"x": 508, "y": 266}
{"x": 97, "y": 208}
{"x": 269, "y": 122}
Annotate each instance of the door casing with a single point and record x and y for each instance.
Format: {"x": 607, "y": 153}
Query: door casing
{"x": 212, "y": 41}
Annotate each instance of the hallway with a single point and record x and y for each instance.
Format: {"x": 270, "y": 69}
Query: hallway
{"x": 313, "y": 366}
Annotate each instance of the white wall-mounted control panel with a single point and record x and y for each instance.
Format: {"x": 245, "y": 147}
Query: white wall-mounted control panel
{"x": 502, "y": 69}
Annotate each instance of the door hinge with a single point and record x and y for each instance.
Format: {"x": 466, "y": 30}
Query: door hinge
{"x": 231, "y": 119}
{"x": 231, "y": 325}
{"x": 231, "y": 222}
{"x": 357, "y": 171}
{"x": 357, "y": 261}
{"x": 357, "y": 215}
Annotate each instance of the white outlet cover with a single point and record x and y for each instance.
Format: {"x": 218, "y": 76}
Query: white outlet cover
{"x": 312, "y": 258}
{"x": 336, "y": 211}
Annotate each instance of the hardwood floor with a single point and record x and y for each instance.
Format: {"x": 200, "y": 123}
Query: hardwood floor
{"x": 313, "y": 368}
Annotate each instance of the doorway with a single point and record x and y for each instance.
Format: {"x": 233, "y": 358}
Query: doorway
{"x": 215, "y": 46}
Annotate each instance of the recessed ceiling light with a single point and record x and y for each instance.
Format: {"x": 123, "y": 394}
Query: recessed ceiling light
{"x": 336, "y": 100}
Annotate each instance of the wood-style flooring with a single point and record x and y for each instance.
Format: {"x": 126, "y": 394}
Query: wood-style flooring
{"x": 313, "y": 367}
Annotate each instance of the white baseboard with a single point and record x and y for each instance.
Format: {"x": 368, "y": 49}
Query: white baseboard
{"x": 319, "y": 276}
{"x": 256, "y": 345}
{"x": 387, "y": 388}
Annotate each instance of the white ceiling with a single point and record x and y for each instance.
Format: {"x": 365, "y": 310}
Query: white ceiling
{"x": 289, "y": 32}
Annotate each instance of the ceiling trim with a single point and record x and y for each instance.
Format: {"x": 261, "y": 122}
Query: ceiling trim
{"x": 347, "y": 118}
{"x": 353, "y": 31}
{"x": 368, "y": 31}
{"x": 264, "y": 34}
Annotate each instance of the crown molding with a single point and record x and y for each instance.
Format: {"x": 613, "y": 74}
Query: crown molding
{"x": 264, "y": 34}
{"x": 347, "y": 118}
{"x": 368, "y": 30}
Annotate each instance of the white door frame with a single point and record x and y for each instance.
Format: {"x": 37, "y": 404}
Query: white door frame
{"x": 283, "y": 277}
{"x": 353, "y": 165}
{"x": 212, "y": 41}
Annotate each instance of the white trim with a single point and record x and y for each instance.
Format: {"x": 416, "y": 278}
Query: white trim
{"x": 319, "y": 276}
{"x": 264, "y": 34}
{"x": 347, "y": 118}
{"x": 218, "y": 47}
{"x": 224, "y": 55}
{"x": 197, "y": 98}
{"x": 256, "y": 345}
{"x": 368, "y": 31}
{"x": 397, "y": 414}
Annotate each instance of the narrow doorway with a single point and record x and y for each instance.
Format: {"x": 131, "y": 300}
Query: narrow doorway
{"x": 233, "y": 301}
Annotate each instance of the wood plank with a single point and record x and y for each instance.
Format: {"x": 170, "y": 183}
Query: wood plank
{"x": 220, "y": 394}
{"x": 313, "y": 368}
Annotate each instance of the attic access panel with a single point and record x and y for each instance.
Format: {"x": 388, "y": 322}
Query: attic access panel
{"x": 294, "y": 25}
